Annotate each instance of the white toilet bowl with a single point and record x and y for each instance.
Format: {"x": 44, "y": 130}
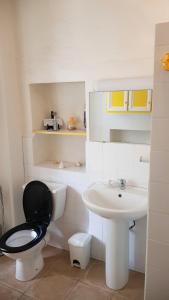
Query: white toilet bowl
{"x": 25, "y": 242}
{"x": 30, "y": 262}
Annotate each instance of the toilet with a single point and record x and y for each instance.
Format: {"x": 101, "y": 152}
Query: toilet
{"x": 43, "y": 202}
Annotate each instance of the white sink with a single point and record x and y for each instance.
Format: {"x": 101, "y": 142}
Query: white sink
{"x": 112, "y": 202}
{"x": 117, "y": 207}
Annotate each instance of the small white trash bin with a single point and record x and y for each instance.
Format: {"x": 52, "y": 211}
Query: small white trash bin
{"x": 79, "y": 245}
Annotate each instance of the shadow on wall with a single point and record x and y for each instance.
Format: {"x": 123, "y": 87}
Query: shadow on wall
{"x": 137, "y": 238}
{"x": 75, "y": 219}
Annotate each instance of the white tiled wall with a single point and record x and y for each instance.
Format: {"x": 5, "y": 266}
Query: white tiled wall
{"x": 118, "y": 160}
{"x": 76, "y": 217}
{"x": 157, "y": 267}
{"x": 103, "y": 161}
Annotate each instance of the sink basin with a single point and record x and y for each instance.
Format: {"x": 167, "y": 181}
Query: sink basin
{"x": 117, "y": 207}
{"x": 112, "y": 202}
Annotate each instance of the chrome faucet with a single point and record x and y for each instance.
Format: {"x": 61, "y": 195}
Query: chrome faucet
{"x": 122, "y": 183}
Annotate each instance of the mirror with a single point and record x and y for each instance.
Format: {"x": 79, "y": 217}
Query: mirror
{"x": 119, "y": 126}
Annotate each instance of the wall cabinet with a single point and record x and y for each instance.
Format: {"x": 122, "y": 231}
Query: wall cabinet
{"x": 129, "y": 101}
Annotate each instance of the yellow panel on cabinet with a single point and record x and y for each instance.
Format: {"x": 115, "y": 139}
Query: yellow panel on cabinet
{"x": 116, "y": 101}
{"x": 140, "y": 100}
{"x": 117, "y": 98}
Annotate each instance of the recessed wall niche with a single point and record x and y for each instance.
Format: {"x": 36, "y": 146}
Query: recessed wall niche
{"x": 130, "y": 136}
{"x": 67, "y": 99}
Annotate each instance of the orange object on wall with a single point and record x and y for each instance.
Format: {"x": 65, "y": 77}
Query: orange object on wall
{"x": 165, "y": 61}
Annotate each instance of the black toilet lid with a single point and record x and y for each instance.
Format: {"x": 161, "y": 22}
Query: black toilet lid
{"x": 37, "y": 202}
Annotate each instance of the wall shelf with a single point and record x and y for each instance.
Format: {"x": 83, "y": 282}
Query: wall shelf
{"x": 61, "y": 132}
{"x": 67, "y": 99}
{"x": 69, "y": 167}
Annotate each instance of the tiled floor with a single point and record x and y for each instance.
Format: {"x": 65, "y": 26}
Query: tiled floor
{"x": 58, "y": 281}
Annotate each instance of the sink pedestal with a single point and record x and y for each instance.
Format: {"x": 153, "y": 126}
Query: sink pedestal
{"x": 117, "y": 207}
{"x": 117, "y": 252}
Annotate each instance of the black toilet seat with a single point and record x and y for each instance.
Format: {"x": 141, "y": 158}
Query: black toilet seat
{"x": 39, "y": 229}
{"x": 38, "y": 206}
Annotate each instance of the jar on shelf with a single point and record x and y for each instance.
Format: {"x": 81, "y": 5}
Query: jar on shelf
{"x": 72, "y": 123}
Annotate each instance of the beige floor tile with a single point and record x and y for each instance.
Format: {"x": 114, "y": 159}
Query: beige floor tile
{"x": 7, "y": 274}
{"x": 59, "y": 280}
{"x": 134, "y": 290}
{"x": 60, "y": 264}
{"x": 7, "y": 293}
{"x": 96, "y": 275}
{"x": 51, "y": 287}
{"x": 50, "y": 251}
{"x": 85, "y": 292}
{"x": 25, "y": 297}
{"x": 118, "y": 297}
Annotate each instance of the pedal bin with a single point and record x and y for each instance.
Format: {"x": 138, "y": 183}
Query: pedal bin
{"x": 79, "y": 245}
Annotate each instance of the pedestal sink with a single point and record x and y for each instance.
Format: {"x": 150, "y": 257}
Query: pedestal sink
{"x": 118, "y": 207}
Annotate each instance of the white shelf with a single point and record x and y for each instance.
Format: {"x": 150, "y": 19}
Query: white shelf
{"x": 69, "y": 167}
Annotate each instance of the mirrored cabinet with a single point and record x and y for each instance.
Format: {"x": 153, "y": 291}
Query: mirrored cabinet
{"x": 120, "y": 116}
{"x": 128, "y": 101}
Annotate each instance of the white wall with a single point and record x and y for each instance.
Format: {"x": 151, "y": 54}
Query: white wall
{"x": 85, "y": 40}
{"x": 118, "y": 160}
{"x": 77, "y": 40}
{"x": 11, "y": 158}
{"x": 157, "y": 270}
{"x": 77, "y": 218}
{"x": 88, "y": 39}
{"x": 81, "y": 40}
{"x": 104, "y": 161}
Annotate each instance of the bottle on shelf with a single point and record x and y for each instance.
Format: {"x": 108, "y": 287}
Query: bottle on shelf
{"x": 84, "y": 117}
{"x": 61, "y": 165}
{"x": 52, "y": 114}
{"x": 55, "y": 124}
{"x": 72, "y": 123}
